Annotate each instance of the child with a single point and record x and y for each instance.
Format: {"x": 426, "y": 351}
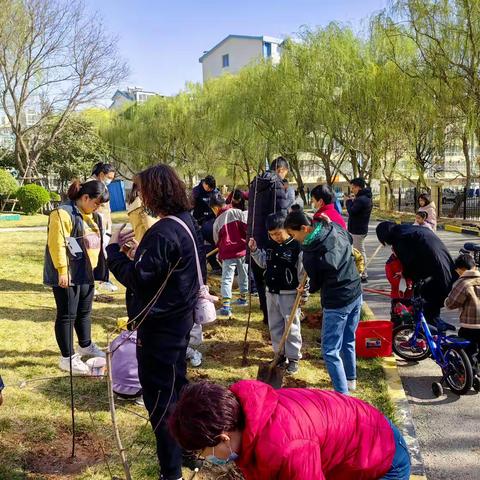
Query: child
{"x": 465, "y": 296}
{"x": 230, "y": 236}
{"x": 2, "y": 386}
{"x": 421, "y": 220}
{"x": 284, "y": 269}
{"x": 291, "y": 433}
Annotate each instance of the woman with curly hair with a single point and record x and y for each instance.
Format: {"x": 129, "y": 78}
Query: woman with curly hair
{"x": 165, "y": 255}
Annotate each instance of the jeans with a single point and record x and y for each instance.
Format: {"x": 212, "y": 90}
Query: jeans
{"x": 279, "y": 308}
{"x": 74, "y": 305}
{"x": 338, "y": 343}
{"x": 359, "y": 244}
{"x": 228, "y": 272}
{"x": 401, "y": 461}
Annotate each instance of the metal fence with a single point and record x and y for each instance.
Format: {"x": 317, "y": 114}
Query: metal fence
{"x": 455, "y": 202}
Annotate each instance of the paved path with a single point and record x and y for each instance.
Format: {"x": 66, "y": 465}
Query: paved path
{"x": 448, "y": 428}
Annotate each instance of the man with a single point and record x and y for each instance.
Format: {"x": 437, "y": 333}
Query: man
{"x": 330, "y": 265}
{"x": 359, "y": 207}
{"x": 267, "y": 195}
{"x": 205, "y": 217}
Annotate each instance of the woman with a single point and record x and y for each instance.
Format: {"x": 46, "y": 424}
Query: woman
{"x": 105, "y": 173}
{"x": 426, "y": 205}
{"x": 74, "y": 259}
{"x": 162, "y": 286}
{"x": 289, "y": 434}
{"x": 323, "y": 201}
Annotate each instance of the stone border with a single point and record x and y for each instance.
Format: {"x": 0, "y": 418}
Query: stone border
{"x": 397, "y": 394}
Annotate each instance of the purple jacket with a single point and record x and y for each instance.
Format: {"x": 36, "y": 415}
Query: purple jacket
{"x": 124, "y": 364}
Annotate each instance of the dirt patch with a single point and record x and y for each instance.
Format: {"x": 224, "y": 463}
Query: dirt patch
{"x": 313, "y": 320}
{"x": 55, "y": 458}
{"x": 290, "y": 382}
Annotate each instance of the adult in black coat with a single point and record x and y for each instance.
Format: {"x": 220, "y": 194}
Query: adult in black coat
{"x": 266, "y": 195}
{"x": 422, "y": 255}
{"x": 359, "y": 208}
{"x": 165, "y": 256}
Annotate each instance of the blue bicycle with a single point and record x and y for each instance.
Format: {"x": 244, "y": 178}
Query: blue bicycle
{"x": 418, "y": 340}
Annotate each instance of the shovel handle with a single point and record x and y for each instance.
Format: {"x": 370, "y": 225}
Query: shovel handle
{"x": 213, "y": 252}
{"x": 291, "y": 318}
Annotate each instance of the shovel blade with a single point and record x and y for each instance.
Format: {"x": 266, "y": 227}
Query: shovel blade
{"x": 271, "y": 376}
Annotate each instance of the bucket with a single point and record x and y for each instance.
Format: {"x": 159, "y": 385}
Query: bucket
{"x": 374, "y": 339}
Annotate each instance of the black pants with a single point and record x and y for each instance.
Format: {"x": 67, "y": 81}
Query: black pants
{"x": 74, "y": 304}
{"x": 162, "y": 369}
{"x": 472, "y": 334}
{"x": 258, "y": 275}
{"x": 212, "y": 259}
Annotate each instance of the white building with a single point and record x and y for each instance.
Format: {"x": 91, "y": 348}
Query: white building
{"x": 131, "y": 94}
{"x": 236, "y": 51}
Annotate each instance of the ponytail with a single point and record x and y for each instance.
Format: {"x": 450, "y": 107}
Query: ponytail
{"x": 93, "y": 188}
{"x": 101, "y": 167}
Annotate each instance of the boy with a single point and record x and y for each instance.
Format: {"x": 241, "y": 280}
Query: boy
{"x": 465, "y": 296}
{"x": 421, "y": 220}
{"x": 282, "y": 260}
{"x": 230, "y": 236}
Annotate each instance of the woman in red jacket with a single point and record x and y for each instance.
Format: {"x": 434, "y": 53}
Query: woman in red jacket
{"x": 289, "y": 434}
{"x": 323, "y": 199}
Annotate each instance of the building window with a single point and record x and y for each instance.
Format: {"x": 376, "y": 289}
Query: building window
{"x": 267, "y": 49}
{"x": 225, "y": 61}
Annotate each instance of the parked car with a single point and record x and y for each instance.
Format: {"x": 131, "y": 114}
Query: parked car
{"x": 448, "y": 195}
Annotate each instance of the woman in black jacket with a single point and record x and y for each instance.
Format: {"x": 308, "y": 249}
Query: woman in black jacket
{"x": 422, "y": 255}
{"x": 162, "y": 287}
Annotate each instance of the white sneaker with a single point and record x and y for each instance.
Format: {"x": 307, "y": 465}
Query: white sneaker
{"x": 194, "y": 356}
{"x": 108, "y": 286}
{"x": 78, "y": 367}
{"x": 352, "y": 385}
{"x": 91, "y": 351}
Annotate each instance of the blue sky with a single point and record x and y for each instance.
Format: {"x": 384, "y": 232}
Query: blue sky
{"x": 163, "y": 40}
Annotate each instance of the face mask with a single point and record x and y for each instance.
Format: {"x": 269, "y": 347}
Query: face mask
{"x": 222, "y": 461}
{"x": 107, "y": 181}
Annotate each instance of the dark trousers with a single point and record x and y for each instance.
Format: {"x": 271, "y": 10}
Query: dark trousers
{"x": 162, "y": 369}
{"x": 258, "y": 275}
{"x": 472, "y": 334}
{"x": 74, "y": 304}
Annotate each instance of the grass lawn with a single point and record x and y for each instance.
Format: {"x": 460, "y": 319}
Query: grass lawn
{"x": 35, "y": 418}
{"x": 40, "y": 220}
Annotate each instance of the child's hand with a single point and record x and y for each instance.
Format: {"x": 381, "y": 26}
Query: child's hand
{"x": 301, "y": 289}
{"x": 252, "y": 244}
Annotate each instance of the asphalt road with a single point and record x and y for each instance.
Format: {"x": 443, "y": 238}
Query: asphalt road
{"x": 448, "y": 428}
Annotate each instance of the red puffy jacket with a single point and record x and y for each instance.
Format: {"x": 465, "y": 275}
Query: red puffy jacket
{"x": 331, "y": 212}
{"x": 230, "y": 233}
{"x": 307, "y": 434}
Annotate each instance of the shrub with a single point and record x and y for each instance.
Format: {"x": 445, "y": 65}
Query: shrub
{"x": 55, "y": 197}
{"x": 32, "y": 197}
{"x": 8, "y": 184}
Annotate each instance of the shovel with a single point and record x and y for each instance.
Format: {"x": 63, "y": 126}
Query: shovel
{"x": 271, "y": 372}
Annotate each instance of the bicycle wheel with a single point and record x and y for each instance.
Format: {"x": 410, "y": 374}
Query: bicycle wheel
{"x": 404, "y": 347}
{"x": 459, "y": 373}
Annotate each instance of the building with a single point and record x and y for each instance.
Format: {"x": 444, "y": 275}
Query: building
{"x": 131, "y": 94}
{"x": 236, "y": 51}
{"x": 7, "y": 139}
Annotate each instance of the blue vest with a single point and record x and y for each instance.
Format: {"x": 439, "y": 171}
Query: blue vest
{"x": 80, "y": 269}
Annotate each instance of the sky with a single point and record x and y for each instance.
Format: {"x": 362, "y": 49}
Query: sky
{"x": 162, "y": 40}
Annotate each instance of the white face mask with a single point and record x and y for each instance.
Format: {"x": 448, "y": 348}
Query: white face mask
{"x": 107, "y": 181}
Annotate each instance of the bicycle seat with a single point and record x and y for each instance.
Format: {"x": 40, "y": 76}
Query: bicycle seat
{"x": 442, "y": 326}
{"x": 472, "y": 247}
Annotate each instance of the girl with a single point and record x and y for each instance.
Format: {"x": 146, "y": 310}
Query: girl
{"x": 426, "y": 205}
{"x": 74, "y": 259}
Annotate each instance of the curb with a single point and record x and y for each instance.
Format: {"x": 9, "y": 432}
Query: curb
{"x": 397, "y": 394}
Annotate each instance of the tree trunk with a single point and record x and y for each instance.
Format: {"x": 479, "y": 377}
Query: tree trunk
{"x": 468, "y": 160}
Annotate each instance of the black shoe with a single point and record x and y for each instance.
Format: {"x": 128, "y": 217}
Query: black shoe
{"x": 217, "y": 271}
{"x": 282, "y": 362}
{"x": 292, "y": 367}
{"x": 364, "y": 279}
{"x": 191, "y": 461}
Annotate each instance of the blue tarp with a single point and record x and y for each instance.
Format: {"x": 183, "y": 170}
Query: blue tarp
{"x": 117, "y": 196}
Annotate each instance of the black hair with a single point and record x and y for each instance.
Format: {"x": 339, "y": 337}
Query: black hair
{"x": 323, "y": 192}
{"x": 295, "y": 208}
{"x": 384, "y": 232}
{"x": 101, "y": 167}
{"x": 92, "y": 188}
{"x": 210, "y": 181}
{"x": 279, "y": 162}
{"x": 216, "y": 200}
{"x": 358, "y": 182}
{"x": 237, "y": 195}
{"x": 465, "y": 260}
{"x": 296, "y": 220}
{"x": 275, "y": 221}
{"x": 423, "y": 214}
